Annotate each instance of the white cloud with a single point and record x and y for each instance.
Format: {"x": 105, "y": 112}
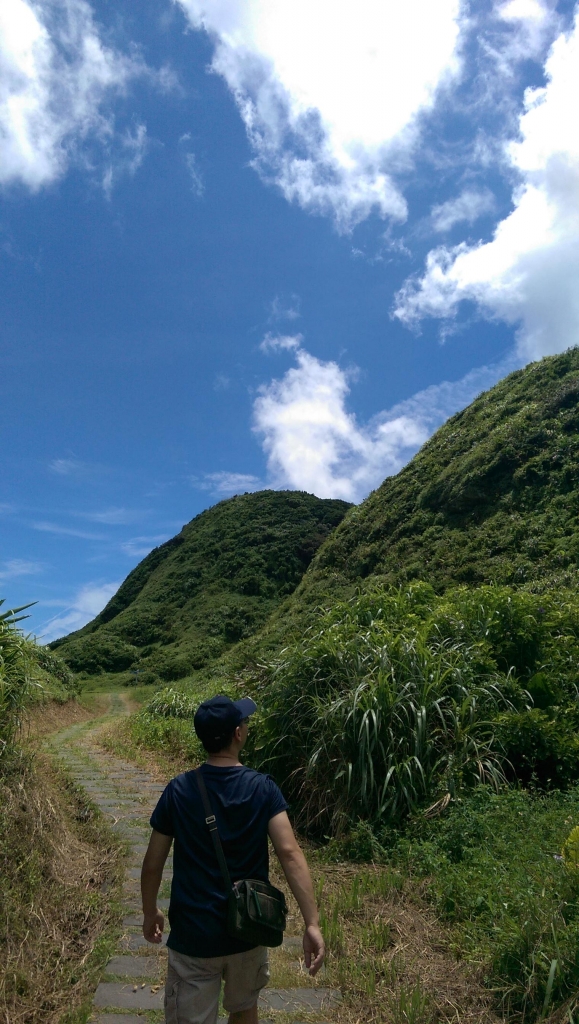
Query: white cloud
{"x": 313, "y": 443}
{"x": 66, "y": 467}
{"x": 285, "y": 309}
{"x": 532, "y": 23}
{"x": 527, "y": 275}
{"x": 87, "y": 602}
{"x": 130, "y": 154}
{"x": 330, "y": 92}
{"x": 468, "y": 206}
{"x": 226, "y": 484}
{"x": 16, "y": 567}
{"x": 113, "y": 516}
{"x": 65, "y": 531}
{"x": 56, "y": 77}
{"x": 281, "y": 342}
{"x": 197, "y": 183}
{"x": 138, "y": 547}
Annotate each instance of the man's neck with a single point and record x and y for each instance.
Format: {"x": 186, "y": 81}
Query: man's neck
{"x": 225, "y": 759}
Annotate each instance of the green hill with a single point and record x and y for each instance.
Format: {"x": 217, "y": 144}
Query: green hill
{"x": 493, "y": 496}
{"x": 214, "y": 583}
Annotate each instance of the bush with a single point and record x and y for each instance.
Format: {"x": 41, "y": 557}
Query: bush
{"x": 16, "y": 680}
{"x": 171, "y": 736}
{"x": 56, "y": 667}
{"x": 541, "y": 751}
{"x": 370, "y": 716}
{"x": 104, "y": 652}
{"x": 399, "y": 695}
{"x": 170, "y": 703}
{"x": 496, "y": 876}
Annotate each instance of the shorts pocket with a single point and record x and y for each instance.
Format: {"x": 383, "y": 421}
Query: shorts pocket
{"x": 170, "y": 1003}
{"x": 262, "y": 978}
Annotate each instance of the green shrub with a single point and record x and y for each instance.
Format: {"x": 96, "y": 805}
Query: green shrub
{"x": 50, "y": 662}
{"x": 400, "y": 695}
{"x": 496, "y": 877}
{"x": 169, "y": 703}
{"x": 103, "y": 653}
{"x": 369, "y": 716}
{"x": 541, "y": 750}
{"x": 170, "y": 736}
{"x": 16, "y": 678}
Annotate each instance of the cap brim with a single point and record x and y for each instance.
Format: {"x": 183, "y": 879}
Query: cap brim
{"x": 246, "y": 705}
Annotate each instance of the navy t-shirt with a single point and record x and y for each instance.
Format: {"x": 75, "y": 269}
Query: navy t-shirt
{"x": 243, "y": 801}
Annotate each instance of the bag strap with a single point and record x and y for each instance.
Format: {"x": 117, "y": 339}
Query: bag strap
{"x": 211, "y": 823}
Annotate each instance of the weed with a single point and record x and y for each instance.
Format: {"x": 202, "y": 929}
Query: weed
{"x": 411, "y": 1005}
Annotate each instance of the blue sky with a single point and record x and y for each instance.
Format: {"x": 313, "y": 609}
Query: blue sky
{"x": 248, "y": 245}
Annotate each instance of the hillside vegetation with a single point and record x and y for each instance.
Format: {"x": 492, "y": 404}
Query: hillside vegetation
{"x": 213, "y": 584}
{"x": 493, "y": 496}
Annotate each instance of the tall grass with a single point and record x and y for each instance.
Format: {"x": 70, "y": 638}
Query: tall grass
{"x": 370, "y": 716}
{"x": 28, "y": 674}
{"x": 16, "y": 678}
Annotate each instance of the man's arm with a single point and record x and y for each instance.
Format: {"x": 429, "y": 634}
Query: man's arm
{"x": 297, "y": 872}
{"x": 151, "y": 876}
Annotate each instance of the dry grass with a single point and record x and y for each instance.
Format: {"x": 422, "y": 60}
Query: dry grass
{"x": 48, "y": 718}
{"x": 386, "y": 952}
{"x": 57, "y": 895}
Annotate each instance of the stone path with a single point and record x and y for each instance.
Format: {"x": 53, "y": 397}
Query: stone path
{"x": 131, "y": 990}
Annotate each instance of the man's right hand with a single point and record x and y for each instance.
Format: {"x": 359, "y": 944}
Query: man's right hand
{"x": 153, "y": 927}
{"x": 314, "y": 949}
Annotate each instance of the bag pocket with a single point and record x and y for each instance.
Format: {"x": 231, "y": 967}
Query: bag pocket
{"x": 256, "y": 912}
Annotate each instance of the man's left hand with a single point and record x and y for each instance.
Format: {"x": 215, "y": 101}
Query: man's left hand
{"x": 153, "y": 927}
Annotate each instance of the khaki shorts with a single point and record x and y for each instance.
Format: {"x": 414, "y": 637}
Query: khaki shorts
{"x": 194, "y": 983}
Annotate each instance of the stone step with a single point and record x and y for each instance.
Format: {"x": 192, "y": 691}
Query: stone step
{"x": 136, "y": 873}
{"x": 135, "y": 907}
{"x": 130, "y": 1018}
{"x": 118, "y": 1018}
{"x": 135, "y": 860}
{"x": 136, "y": 941}
{"x": 129, "y": 831}
{"x": 139, "y": 849}
{"x": 119, "y": 996}
{"x": 133, "y": 921}
{"x": 135, "y": 966}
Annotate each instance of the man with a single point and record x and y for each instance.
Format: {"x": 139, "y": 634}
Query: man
{"x": 248, "y": 807}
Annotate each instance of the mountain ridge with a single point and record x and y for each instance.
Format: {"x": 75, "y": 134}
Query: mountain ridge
{"x": 212, "y": 584}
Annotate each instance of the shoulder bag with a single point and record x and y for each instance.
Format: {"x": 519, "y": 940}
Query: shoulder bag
{"x": 256, "y": 910}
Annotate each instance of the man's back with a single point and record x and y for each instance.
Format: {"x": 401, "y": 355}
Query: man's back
{"x": 243, "y": 802}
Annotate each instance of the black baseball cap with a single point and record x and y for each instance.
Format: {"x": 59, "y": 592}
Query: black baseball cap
{"x": 219, "y": 716}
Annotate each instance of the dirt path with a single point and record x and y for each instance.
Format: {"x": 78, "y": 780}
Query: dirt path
{"x": 131, "y": 989}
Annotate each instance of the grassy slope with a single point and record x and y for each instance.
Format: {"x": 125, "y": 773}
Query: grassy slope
{"x": 214, "y": 583}
{"x": 492, "y": 497}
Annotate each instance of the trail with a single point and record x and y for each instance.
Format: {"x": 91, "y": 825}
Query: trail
{"x": 131, "y": 989}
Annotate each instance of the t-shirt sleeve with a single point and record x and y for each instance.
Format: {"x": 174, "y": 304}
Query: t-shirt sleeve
{"x": 162, "y": 818}
{"x": 276, "y": 800}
